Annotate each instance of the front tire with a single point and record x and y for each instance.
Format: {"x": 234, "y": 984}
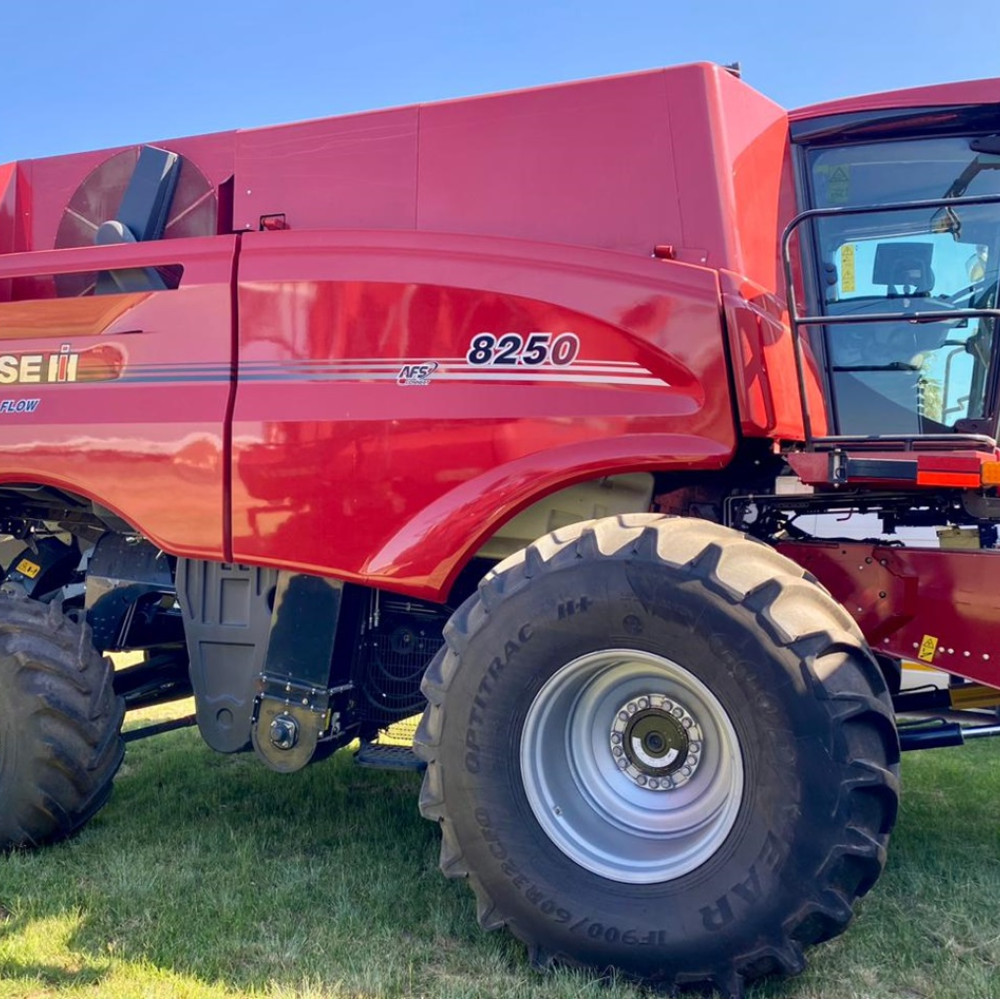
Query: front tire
{"x": 656, "y": 745}
{"x": 60, "y": 724}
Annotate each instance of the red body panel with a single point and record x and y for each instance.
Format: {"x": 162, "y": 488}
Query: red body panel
{"x": 338, "y": 467}
{"x": 939, "y": 95}
{"x": 142, "y": 429}
{"x": 410, "y": 232}
{"x": 688, "y": 156}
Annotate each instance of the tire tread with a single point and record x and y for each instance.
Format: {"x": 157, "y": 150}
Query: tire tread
{"x": 68, "y": 726}
{"x": 797, "y": 613}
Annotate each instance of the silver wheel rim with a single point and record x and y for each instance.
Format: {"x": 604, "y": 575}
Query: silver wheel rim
{"x": 601, "y": 813}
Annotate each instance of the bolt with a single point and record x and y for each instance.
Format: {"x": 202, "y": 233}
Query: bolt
{"x": 284, "y": 732}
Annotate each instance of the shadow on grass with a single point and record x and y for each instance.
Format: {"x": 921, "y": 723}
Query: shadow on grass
{"x": 325, "y": 883}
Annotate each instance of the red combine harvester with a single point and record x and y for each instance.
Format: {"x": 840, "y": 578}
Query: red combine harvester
{"x": 529, "y": 412}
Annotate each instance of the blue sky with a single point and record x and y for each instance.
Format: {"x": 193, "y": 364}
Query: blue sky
{"x": 82, "y": 75}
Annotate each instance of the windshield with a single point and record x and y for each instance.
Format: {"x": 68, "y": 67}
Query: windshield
{"x": 921, "y": 363}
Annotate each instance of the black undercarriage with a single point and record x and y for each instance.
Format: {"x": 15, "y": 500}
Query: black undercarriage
{"x": 297, "y": 666}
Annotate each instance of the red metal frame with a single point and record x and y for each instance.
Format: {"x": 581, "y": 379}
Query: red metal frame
{"x": 935, "y": 606}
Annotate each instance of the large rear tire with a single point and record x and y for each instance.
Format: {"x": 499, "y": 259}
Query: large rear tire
{"x": 60, "y": 724}
{"x": 656, "y": 745}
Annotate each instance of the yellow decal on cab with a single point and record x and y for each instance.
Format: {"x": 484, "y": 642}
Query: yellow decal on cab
{"x": 848, "y": 282}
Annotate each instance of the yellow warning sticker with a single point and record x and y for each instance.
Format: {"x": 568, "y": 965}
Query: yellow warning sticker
{"x": 847, "y": 278}
{"x": 838, "y": 185}
{"x": 28, "y": 568}
{"x": 928, "y": 647}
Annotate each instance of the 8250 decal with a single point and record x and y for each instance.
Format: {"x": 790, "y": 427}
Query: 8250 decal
{"x": 533, "y": 350}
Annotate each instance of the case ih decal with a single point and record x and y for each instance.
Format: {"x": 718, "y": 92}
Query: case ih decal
{"x": 102, "y": 363}
{"x": 25, "y": 369}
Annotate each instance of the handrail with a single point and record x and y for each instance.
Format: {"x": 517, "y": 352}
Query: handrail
{"x": 902, "y": 317}
{"x": 796, "y": 321}
{"x": 909, "y": 442}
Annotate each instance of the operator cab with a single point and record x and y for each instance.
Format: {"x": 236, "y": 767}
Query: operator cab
{"x": 895, "y": 262}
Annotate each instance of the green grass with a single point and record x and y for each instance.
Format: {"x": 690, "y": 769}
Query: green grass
{"x": 210, "y": 876}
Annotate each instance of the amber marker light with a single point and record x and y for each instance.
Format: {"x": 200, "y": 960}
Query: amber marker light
{"x": 990, "y": 473}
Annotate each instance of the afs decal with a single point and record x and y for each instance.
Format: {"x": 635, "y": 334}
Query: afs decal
{"x": 419, "y": 374}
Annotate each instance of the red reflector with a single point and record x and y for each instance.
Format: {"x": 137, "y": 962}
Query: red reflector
{"x": 949, "y": 463}
{"x": 965, "y": 479}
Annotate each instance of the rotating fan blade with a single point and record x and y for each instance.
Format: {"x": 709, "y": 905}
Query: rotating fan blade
{"x": 151, "y": 192}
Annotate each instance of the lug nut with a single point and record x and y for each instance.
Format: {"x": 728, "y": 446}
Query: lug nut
{"x": 284, "y": 732}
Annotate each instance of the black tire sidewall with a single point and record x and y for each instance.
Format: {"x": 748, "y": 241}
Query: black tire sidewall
{"x": 24, "y": 747}
{"x": 781, "y": 835}
{"x": 60, "y": 728}
{"x": 12, "y": 739}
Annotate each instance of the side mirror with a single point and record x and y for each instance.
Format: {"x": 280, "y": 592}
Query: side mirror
{"x": 987, "y": 144}
{"x": 946, "y": 220}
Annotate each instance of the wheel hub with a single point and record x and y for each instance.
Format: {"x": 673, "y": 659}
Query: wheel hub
{"x": 631, "y": 765}
{"x": 655, "y": 742}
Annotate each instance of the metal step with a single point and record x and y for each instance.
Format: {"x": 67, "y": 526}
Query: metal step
{"x": 388, "y": 756}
